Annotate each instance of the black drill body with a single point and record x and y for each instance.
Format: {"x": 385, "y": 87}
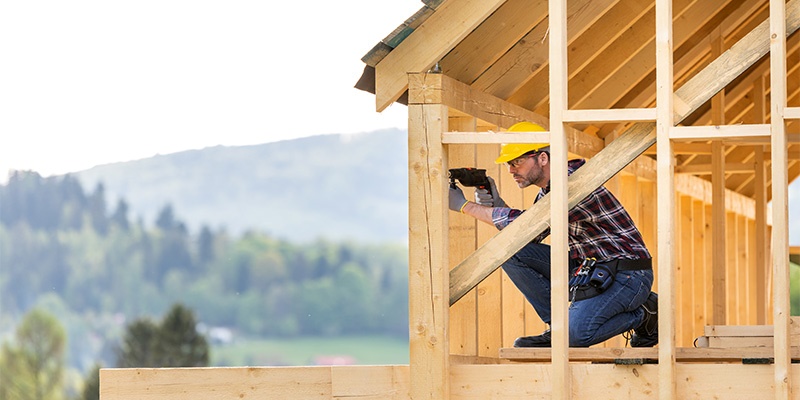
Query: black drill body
{"x": 472, "y": 177}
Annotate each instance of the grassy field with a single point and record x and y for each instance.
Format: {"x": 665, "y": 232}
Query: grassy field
{"x": 360, "y": 350}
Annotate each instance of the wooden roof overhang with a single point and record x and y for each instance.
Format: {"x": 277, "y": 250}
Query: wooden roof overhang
{"x": 500, "y": 48}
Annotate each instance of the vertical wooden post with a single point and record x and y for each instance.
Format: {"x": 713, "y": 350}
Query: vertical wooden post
{"x": 490, "y": 294}
{"x": 463, "y": 324}
{"x": 428, "y": 279}
{"x": 685, "y": 271}
{"x": 719, "y": 252}
{"x": 780, "y": 198}
{"x": 667, "y": 386}
{"x": 760, "y": 195}
{"x": 699, "y": 263}
{"x": 558, "y": 205}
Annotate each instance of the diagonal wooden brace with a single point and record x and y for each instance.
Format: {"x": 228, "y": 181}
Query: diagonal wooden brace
{"x": 614, "y": 157}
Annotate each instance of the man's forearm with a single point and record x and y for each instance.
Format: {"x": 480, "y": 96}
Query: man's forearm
{"x": 479, "y": 212}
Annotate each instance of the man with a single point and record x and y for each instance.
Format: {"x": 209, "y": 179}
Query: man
{"x": 610, "y": 267}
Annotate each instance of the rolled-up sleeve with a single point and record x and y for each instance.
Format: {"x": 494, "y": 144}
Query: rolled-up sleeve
{"x": 502, "y": 216}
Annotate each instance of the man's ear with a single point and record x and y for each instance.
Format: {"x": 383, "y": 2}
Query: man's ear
{"x": 544, "y": 160}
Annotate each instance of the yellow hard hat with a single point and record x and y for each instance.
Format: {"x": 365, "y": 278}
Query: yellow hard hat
{"x": 510, "y": 151}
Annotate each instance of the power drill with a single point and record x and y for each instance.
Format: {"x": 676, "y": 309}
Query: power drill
{"x": 472, "y": 177}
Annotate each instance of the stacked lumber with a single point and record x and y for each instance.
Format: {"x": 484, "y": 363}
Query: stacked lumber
{"x": 738, "y": 336}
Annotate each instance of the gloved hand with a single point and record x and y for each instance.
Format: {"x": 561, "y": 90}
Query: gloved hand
{"x": 490, "y": 199}
{"x": 457, "y": 199}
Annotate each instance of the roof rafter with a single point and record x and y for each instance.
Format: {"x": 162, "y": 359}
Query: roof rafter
{"x": 429, "y": 43}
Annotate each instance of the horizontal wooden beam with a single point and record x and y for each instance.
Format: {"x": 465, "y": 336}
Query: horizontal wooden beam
{"x": 720, "y": 132}
{"x": 495, "y": 137}
{"x": 507, "y": 380}
{"x": 612, "y": 115}
{"x": 705, "y": 169}
{"x": 791, "y": 113}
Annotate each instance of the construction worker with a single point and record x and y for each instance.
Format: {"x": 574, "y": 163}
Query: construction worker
{"x": 611, "y": 273}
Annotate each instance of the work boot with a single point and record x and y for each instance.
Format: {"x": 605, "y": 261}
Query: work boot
{"x": 542, "y": 340}
{"x": 646, "y": 334}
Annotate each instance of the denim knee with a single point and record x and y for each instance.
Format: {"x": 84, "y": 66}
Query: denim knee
{"x": 579, "y": 336}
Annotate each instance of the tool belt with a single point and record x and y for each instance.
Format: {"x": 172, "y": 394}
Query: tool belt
{"x": 592, "y": 278}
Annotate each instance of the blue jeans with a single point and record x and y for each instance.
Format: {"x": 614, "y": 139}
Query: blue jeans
{"x": 592, "y": 320}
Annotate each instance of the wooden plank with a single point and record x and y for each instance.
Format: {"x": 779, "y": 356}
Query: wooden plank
{"x": 699, "y": 266}
{"x": 428, "y": 311}
{"x": 791, "y": 113}
{"x": 612, "y": 115}
{"x": 469, "y": 381}
{"x": 743, "y": 276}
{"x": 439, "y": 34}
{"x": 718, "y": 227}
{"x": 481, "y": 50}
{"x": 682, "y": 354}
{"x": 559, "y": 229}
{"x": 520, "y": 381}
{"x": 707, "y": 169}
{"x": 686, "y": 274}
{"x": 701, "y": 189}
{"x": 730, "y": 133}
{"x": 504, "y": 76}
{"x": 389, "y": 382}
{"x": 618, "y": 154}
{"x": 666, "y": 97}
{"x": 215, "y": 383}
{"x": 492, "y": 137}
{"x": 754, "y": 303}
{"x": 490, "y": 294}
{"x": 780, "y": 211}
{"x": 732, "y": 311}
{"x": 514, "y": 303}
{"x": 462, "y": 242}
{"x": 750, "y": 330}
{"x": 746, "y": 341}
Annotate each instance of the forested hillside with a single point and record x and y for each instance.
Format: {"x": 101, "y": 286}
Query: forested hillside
{"x": 65, "y": 249}
{"x": 333, "y": 186}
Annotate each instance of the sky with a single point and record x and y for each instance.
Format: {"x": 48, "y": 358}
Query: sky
{"x": 90, "y": 82}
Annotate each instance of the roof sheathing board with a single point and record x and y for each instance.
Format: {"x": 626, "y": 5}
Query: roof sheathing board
{"x": 380, "y": 50}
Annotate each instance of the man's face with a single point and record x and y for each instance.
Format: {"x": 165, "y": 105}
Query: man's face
{"x": 529, "y": 170}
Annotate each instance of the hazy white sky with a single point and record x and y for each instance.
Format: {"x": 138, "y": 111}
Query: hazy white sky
{"x": 88, "y": 82}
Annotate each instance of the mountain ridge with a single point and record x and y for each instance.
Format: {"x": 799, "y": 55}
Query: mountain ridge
{"x": 334, "y": 186}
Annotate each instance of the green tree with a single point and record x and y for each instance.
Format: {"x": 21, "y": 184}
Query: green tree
{"x": 32, "y": 368}
{"x": 173, "y": 343}
{"x": 138, "y": 345}
{"x": 179, "y": 344}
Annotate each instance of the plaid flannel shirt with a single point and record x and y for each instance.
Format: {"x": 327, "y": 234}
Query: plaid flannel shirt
{"x": 599, "y": 226}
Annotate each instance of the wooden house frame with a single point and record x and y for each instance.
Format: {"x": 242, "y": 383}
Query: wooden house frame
{"x": 687, "y": 110}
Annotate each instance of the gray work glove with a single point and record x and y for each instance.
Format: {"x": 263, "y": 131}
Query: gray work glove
{"x": 457, "y": 199}
{"x": 488, "y": 198}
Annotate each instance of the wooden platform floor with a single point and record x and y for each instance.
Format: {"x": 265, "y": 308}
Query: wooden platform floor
{"x": 626, "y": 355}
